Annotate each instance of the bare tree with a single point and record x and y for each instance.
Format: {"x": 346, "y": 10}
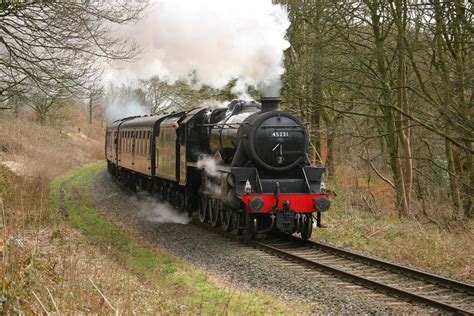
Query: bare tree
{"x": 44, "y": 105}
{"x": 63, "y": 44}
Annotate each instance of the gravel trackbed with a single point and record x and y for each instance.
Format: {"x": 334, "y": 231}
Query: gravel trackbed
{"x": 238, "y": 265}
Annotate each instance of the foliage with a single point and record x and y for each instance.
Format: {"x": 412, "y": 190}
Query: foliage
{"x": 388, "y": 80}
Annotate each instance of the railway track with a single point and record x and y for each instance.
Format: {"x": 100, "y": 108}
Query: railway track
{"x": 392, "y": 279}
{"x": 382, "y": 276}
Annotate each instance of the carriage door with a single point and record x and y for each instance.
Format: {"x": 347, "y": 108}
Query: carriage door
{"x": 181, "y": 154}
{"x": 134, "y": 136}
{"x": 114, "y": 149}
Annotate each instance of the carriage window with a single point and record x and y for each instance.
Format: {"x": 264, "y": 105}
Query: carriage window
{"x": 143, "y": 143}
{"x": 148, "y": 146}
{"x": 128, "y": 142}
{"x": 139, "y": 148}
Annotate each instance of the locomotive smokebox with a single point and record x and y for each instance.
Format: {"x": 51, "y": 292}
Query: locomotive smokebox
{"x": 270, "y": 104}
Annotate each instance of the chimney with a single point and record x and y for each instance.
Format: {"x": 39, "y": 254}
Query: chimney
{"x": 270, "y": 104}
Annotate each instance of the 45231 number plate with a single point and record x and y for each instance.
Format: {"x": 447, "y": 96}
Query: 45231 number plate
{"x": 280, "y": 134}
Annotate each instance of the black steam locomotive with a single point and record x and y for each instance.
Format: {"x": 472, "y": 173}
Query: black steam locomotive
{"x": 243, "y": 167}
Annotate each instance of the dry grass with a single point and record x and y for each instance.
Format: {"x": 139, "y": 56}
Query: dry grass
{"x": 36, "y": 244}
{"x": 60, "y": 268}
{"x": 51, "y": 266}
{"x": 45, "y": 152}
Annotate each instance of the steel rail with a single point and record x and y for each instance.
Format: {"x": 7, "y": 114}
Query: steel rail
{"x": 407, "y": 271}
{"x": 357, "y": 279}
{"x": 361, "y": 280}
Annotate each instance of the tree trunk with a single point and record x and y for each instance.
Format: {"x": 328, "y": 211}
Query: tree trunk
{"x": 468, "y": 203}
{"x": 389, "y": 117}
{"x": 464, "y": 172}
{"x": 316, "y": 116}
{"x": 453, "y": 182}
{"x": 403, "y": 123}
{"x": 330, "y": 158}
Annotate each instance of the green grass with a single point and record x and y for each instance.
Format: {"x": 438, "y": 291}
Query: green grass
{"x": 187, "y": 288}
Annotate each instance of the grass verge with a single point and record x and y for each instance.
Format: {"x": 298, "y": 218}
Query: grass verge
{"x": 426, "y": 246}
{"x": 186, "y": 288}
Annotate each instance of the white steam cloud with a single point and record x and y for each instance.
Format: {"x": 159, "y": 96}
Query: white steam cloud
{"x": 211, "y": 42}
{"x": 209, "y": 164}
{"x": 160, "y": 212}
{"x": 119, "y": 109}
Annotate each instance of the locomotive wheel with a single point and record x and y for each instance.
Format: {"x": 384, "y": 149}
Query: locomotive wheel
{"x": 306, "y": 227}
{"x": 252, "y": 228}
{"x": 226, "y": 219}
{"x": 172, "y": 195}
{"x": 203, "y": 206}
{"x": 214, "y": 208}
{"x": 162, "y": 191}
{"x": 131, "y": 184}
{"x": 179, "y": 201}
{"x": 237, "y": 223}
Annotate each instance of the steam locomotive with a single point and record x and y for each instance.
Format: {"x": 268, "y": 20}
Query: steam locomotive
{"x": 243, "y": 167}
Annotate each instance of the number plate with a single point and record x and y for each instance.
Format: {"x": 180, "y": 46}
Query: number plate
{"x": 280, "y": 134}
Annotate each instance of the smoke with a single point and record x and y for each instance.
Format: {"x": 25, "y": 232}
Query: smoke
{"x": 210, "y": 42}
{"x": 158, "y": 212}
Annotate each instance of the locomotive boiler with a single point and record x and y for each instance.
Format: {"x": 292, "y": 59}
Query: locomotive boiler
{"x": 242, "y": 167}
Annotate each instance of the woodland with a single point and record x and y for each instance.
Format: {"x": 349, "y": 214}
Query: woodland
{"x": 384, "y": 86}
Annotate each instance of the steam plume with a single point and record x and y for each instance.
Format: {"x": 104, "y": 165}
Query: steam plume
{"x": 209, "y": 164}
{"x": 118, "y": 110}
{"x": 159, "y": 212}
{"x": 211, "y": 42}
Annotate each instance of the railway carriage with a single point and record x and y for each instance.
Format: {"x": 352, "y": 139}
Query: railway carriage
{"x": 242, "y": 167}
